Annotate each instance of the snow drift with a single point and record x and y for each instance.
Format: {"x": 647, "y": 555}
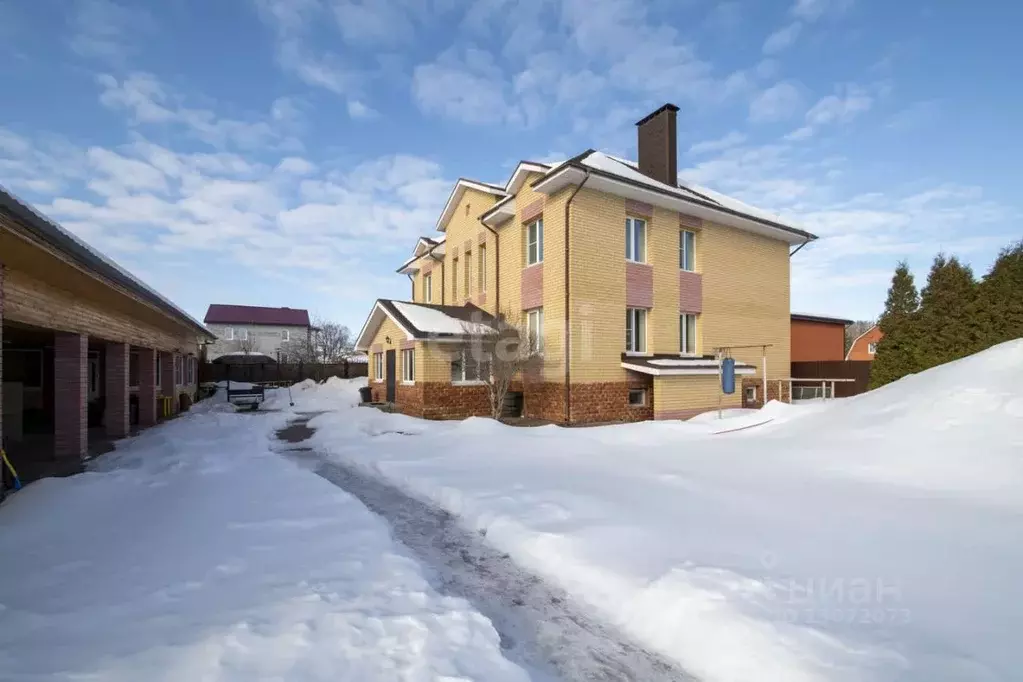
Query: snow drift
{"x": 875, "y": 538}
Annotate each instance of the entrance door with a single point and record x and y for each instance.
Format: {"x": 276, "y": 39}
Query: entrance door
{"x": 390, "y": 376}
{"x": 94, "y": 378}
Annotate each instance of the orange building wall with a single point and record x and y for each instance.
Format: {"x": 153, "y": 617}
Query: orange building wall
{"x": 814, "y": 341}
{"x": 859, "y": 348}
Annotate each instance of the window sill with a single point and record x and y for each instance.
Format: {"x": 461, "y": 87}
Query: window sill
{"x": 378, "y": 381}
{"x": 693, "y": 272}
{"x": 408, "y": 383}
{"x": 637, "y": 262}
{"x": 637, "y": 354}
{"x": 539, "y": 262}
{"x": 468, "y": 383}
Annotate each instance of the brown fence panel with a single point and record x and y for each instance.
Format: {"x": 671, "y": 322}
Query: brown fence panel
{"x": 285, "y": 372}
{"x": 836, "y": 369}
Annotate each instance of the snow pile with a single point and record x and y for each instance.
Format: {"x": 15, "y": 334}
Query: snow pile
{"x": 195, "y": 553}
{"x": 873, "y": 539}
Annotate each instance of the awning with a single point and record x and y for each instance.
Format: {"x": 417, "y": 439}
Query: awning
{"x": 665, "y": 364}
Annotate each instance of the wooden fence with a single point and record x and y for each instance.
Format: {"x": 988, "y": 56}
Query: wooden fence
{"x": 284, "y": 373}
{"x": 858, "y": 370}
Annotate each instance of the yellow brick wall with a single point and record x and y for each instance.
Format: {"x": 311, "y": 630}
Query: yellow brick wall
{"x": 464, "y": 224}
{"x": 745, "y": 295}
{"x": 745, "y": 289}
{"x": 690, "y": 393}
{"x": 434, "y": 362}
{"x": 387, "y": 329}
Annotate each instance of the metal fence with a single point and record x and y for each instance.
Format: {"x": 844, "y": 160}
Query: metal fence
{"x": 857, "y": 370}
{"x": 283, "y": 374}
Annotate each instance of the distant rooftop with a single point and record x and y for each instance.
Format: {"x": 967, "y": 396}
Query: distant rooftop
{"x": 220, "y": 313}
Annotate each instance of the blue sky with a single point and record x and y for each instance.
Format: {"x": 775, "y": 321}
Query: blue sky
{"x": 288, "y": 152}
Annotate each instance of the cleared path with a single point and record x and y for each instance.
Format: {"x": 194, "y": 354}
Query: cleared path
{"x": 540, "y": 626}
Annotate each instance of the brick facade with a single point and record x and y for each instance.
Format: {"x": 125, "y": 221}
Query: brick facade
{"x": 690, "y": 292}
{"x": 532, "y": 287}
{"x": 167, "y": 387}
{"x": 544, "y": 400}
{"x": 116, "y": 413}
{"x": 147, "y": 386}
{"x": 639, "y": 285}
{"x": 71, "y": 392}
{"x": 776, "y": 390}
{"x": 609, "y": 402}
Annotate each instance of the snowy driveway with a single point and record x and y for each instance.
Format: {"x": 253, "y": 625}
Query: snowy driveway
{"x": 198, "y": 554}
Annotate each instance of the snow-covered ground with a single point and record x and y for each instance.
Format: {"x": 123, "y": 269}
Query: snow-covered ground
{"x": 196, "y": 553}
{"x": 873, "y": 538}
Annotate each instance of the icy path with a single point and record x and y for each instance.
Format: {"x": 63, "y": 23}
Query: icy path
{"x": 541, "y": 628}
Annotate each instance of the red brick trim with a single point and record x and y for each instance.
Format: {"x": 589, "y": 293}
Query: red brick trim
{"x": 376, "y": 348}
{"x": 454, "y": 251}
{"x": 481, "y": 237}
{"x": 532, "y": 287}
{"x": 690, "y": 292}
{"x": 689, "y": 221}
{"x": 682, "y": 414}
{"x": 639, "y": 208}
{"x": 467, "y": 245}
{"x": 407, "y": 343}
{"x": 481, "y": 298}
{"x": 533, "y": 211}
{"x": 427, "y": 268}
{"x": 639, "y": 285}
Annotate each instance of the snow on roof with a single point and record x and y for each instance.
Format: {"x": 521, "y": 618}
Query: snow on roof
{"x": 629, "y": 170}
{"x": 430, "y": 320}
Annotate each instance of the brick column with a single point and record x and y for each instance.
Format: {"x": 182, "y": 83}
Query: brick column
{"x": 71, "y": 392}
{"x": 167, "y": 387}
{"x": 147, "y": 387}
{"x": 115, "y": 415}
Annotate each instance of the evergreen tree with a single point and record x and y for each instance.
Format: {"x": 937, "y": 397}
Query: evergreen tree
{"x": 1000, "y": 298}
{"x": 897, "y": 353}
{"x": 946, "y": 328}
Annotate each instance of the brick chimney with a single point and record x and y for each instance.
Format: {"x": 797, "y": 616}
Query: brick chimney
{"x": 658, "y": 145}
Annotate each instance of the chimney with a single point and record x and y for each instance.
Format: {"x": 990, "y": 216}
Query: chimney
{"x": 658, "y": 145}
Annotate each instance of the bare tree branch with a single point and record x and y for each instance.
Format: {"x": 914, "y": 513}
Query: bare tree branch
{"x": 498, "y": 355}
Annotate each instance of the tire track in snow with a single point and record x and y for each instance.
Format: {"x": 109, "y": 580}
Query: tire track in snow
{"x": 541, "y": 627}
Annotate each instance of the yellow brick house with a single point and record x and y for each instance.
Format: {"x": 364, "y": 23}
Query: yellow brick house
{"x": 637, "y": 283}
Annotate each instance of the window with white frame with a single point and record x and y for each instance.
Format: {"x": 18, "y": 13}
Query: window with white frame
{"x": 179, "y": 374}
{"x": 872, "y": 348}
{"x": 468, "y": 272}
{"x": 534, "y": 242}
{"x": 408, "y": 365}
{"x": 534, "y": 327}
{"x": 191, "y": 370}
{"x": 378, "y": 366}
{"x": 285, "y": 335}
{"x": 229, "y": 333}
{"x": 635, "y": 330}
{"x": 428, "y": 288}
{"x": 687, "y": 334}
{"x": 687, "y": 250}
{"x": 637, "y": 397}
{"x": 635, "y": 240}
{"x": 243, "y": 334}
{"x": 482, "y": 269}
{"x": 467, "y": 368}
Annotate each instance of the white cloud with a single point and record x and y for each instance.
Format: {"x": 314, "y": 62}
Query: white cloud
{"x": 775, "y": 103}
{"x": 466, "y": 88}
{"x": 915, "y": 115}
{"x": 730, "y": 140}
{"x": 812, "y": 10}
{"x": 150, "y": 102}
{"x": 373, "y": 23}
{"x": 782, "y": 38}
{"x": 103, "y": 29}
{"x": 357, "y": 109}
{"x": 840, "y": 108}
{"x": 295, "y": 165}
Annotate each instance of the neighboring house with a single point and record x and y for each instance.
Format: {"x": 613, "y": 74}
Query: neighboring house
{"x": 275, "y": 332}
{"x": 864, "y": 346}
{"x": 817, "y": 337}
{"x": 87, "y": 348}
{"x": 632, "y": 280}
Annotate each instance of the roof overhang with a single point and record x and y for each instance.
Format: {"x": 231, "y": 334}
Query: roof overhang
{"x": 571, "y": 174}
{"x": 681, "y": 367}
{"x": 456, "y": 195}
{"x": 823, "y": 319}
{"x": 373, "y": 322}
{"x": 521, "y": 173}
{"x": 499, "y": 213}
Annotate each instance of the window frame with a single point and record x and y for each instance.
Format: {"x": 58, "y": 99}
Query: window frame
{"x": 745, "y": 394}
{"x": 286, "y": 335}
{"x": 179, "y": 374}
{"x": 243, "y": 334}
{"x": 454, "y": 280}
{"x": 631, "y": 244}
{"x": 872, "y": 348}
{"x": 467, "y": 272}
{"x": 481, "y": 271}
{"x": 638, "y": 342}
{"x": 428, "y": 287}
{"x": 378, "y": 366}
{"x": 641, "y": 392}
{"x": 461, "y": 359}
{"x": 534, "y": 241}
{"x": 538, "y": 335}
{"x": 228, "y": 333}
{"x": 683, "y": 333}
{"x": 408, "y": 366}
{"x": 685, "y": 253}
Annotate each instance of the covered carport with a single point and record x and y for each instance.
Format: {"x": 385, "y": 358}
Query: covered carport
{"x": 88, "y": 349}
